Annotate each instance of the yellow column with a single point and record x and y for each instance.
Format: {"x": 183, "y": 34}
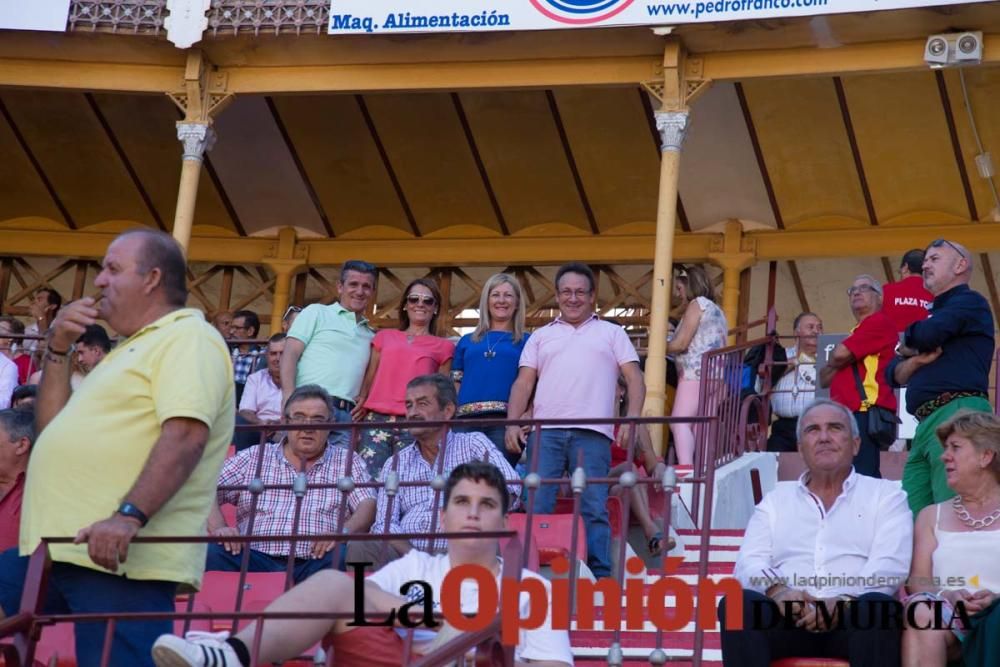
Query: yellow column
{"x": 733, "y": 259}
{"x": 285, "y": 265}
{"x": 196, "y": 137}
{"x": 672, "y": 125}
{"x": 284, "y": 270}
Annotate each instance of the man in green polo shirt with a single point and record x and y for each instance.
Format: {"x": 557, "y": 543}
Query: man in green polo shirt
{"x": 330, "y": 345}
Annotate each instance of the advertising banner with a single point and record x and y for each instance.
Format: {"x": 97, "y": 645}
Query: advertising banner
{"x": 403, "y": 16}
{"x": 34, "y": 14}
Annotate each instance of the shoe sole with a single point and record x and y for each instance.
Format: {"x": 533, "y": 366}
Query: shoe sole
{"x": 164, "y": 656}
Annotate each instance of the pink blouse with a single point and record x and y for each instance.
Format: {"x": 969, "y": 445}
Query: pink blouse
{"x": 400, "y": 361}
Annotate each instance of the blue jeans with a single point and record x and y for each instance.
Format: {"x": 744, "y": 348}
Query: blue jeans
{"x": 558, "y": 453}
{"x": 340, "y": 438}
{"x": 220, "y": 560}
{"x": 80, "y": 590}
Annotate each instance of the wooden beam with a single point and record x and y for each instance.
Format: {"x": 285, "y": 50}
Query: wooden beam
{"x": 90, "y": 76}
{"x": 889, "y": 56}
{"x": 414, "y": 76}
{"x": 525, "y": 251}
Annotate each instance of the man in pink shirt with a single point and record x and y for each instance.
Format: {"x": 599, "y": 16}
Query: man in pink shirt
{"x": 261, "y": 399}
{"x": 573, "y": 364}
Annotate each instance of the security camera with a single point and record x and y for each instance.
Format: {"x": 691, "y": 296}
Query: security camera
{"x": 969, "y": 47}
{"x": 954, "y": 49}
{"x": 936, "y": 51}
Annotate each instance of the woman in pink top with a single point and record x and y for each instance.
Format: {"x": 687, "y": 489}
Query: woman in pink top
{"x": 398, "y": 356}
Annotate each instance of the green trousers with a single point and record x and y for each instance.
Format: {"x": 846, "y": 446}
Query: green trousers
{"x": 923, "y": 476}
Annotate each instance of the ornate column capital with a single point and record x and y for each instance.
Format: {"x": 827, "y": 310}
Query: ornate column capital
{"x": 197, "y": 138}
{"x": 672, "y": 126}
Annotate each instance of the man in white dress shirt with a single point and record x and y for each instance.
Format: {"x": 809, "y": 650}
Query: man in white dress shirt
{"x": 834, "y": 540}
{"x": 797, "y": 387}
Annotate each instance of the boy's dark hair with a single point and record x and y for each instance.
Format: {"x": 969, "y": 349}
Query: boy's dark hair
{"x": 478, "y": 471}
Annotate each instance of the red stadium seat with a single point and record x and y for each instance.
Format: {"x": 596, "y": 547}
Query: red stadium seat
{"x": 553, "y": 535}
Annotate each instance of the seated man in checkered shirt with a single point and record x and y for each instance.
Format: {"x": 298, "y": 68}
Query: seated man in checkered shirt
{"x": 302, "y": 450}
{"x": 412, "y": 508}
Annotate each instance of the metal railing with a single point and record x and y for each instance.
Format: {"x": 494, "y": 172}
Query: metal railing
{"x": 26, "y": 626}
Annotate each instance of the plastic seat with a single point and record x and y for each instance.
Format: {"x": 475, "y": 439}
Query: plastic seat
{"x": 553, "y": 535}
{"x": 218, "y": 593}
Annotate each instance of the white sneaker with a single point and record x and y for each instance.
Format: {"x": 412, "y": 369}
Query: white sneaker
{"x": 196, "y": 649}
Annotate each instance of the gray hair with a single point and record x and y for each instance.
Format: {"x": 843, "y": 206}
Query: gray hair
{"x": 308, "y": 392}
{"x": 19, "y": 423}
{"x": 873, "y": 280}
{"x": 823, "y": 402}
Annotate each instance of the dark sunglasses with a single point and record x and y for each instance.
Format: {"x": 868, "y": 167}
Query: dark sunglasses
{"x": 291, "y": 309}
{"x": 937, "y": 243}
{"x": 416, "y": 298}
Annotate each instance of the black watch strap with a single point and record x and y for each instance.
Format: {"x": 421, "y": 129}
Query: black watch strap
{"x": 128, "y": 509}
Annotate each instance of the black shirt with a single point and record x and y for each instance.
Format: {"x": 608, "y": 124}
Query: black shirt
{"x": 961, "y": 324}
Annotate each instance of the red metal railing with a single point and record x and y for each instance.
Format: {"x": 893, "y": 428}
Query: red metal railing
{"x": 26, "y": 626}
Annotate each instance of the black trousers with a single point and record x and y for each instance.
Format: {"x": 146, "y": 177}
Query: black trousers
{"x": 869, "y": 643}
{"x": 782, "y": 437}
{"x": 867, "y": 462}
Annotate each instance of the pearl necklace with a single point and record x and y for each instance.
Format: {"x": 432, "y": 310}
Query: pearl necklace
{"x": 966, "y": 518}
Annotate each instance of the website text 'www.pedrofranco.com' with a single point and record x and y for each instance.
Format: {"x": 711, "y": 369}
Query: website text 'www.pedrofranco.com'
{"x": 700, "y": 7}
{"x": 870, "y": 581}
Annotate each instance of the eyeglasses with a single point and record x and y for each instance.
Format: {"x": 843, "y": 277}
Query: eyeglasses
{"x": 291, "y": 309}
{"x": 303, "y": 419}
{"x": 937, "y": 243}
{"x": 851, "y": 291}
{"x": 416, "y": 298}
{"x": 570, "y": 293}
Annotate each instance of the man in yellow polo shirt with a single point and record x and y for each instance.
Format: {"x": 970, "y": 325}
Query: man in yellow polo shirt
{"x": 136, "y": 450}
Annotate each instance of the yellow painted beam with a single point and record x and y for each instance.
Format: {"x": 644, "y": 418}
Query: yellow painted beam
{"x": 609, "y": 249}
{"x": 90, "y": 76}
{"x": 855, "y": 58}
{"x": 542, "y": 72}
{"x": 92, "y": 245}
{"x": 507, "y": 250}
{"x": 397, "y": 252}
{"x": 868, "y": 241}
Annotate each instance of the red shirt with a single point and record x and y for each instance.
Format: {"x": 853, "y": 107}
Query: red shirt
{"x": 873, "y": 344}
{"x": 10, "y": 515}
{"x": 907, "y": 301}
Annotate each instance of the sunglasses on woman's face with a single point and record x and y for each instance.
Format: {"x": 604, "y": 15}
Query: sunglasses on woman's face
{"x": 416, "y": 298}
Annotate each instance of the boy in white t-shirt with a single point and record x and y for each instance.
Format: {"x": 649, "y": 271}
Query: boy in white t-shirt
{"x": 476, "y": 500}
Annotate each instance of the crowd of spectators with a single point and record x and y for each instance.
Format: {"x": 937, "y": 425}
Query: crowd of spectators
{"x": 329, "y": 365}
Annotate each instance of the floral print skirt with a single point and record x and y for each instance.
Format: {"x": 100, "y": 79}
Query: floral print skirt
{"x": 377, "y": 442}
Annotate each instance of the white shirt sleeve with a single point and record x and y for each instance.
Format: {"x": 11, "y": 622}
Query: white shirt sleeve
{"x": 754, "y": 564}
{"x": 8, "y": 381}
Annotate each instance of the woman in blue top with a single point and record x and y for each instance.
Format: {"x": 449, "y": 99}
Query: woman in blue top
{"x": 486, "y": 361}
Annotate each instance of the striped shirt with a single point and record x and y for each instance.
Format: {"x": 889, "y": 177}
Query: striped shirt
{"x": 276, "y": 508}
{"x": 413, "y": 506}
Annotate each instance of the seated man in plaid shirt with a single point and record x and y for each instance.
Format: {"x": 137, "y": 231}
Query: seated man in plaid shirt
{"x": 301, "y": 451}
{"x": 428, "y": 398}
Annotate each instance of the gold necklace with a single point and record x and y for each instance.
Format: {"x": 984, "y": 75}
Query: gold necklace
{"x": 975, "y": 524}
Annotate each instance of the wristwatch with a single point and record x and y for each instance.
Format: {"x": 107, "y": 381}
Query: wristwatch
{"x": 130, "y": 510}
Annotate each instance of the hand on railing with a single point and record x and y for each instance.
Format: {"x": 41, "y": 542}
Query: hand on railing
{"x": 232, "y": 547}
{"x": 515, "y": 439}
{"x": 108, "y": 540}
